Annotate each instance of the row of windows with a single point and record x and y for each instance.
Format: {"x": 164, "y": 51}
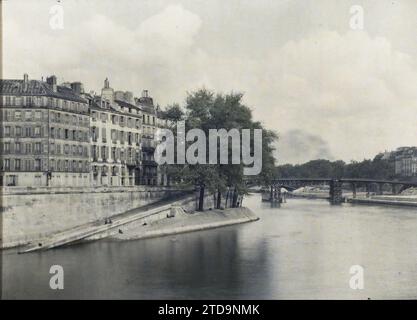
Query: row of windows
{"x": 23, "y": 132}
{"x": 38, "y": 131}
{"x": 42, "y": 115}
{"x": 34, "y": 101}
{"x": 42, "y": 148}
{"x": 115, "y": 135}
{"x": 42, "y": 165}
{"x": 66, "y": 134}
{"x": 114, "y": 154}
{"x": 70, "y": 119}
{"x": 114, "y": 170}
{"x": 25, "y": 115}
{"x": 116, "y": 119}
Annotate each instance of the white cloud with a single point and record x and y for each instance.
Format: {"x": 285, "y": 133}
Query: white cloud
{"x": 354, "y": 89}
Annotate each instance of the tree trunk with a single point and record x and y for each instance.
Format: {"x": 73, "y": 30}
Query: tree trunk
{"x": 234, "y": 203}
{"x": 219, "y": 199}
{"x": 227, "y": 198}
{"x": 201, "y": 200}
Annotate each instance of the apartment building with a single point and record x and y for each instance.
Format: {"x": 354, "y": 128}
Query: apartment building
{"x": 115, "y": 124}
{"x": 44, "y": 137}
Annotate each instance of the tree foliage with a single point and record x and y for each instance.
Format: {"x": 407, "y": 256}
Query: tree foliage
{"x": 206, "y": 110}
{"x": 377, "y": 168}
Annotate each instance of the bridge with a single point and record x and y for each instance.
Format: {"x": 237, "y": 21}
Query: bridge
{"x": 336, "y": 185}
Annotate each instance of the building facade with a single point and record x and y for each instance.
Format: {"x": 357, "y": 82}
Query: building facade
{"x": 406, "y": 161}
{"x": 115, "y": 139}
{"x": 59, "y": 135}
{"x": 149, "y": 168}
{"x": 44, "y": 134}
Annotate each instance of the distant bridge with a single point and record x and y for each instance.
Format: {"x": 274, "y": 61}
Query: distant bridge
{"x": 336, "y": 185}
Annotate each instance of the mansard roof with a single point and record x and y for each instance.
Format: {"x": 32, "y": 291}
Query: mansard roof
{"x": 37, "y": 88}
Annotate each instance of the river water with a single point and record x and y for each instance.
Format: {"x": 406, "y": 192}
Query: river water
{"x": 303, "y": 250}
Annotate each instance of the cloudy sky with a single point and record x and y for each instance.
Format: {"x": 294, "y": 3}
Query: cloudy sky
{"x": 330, "y": 91}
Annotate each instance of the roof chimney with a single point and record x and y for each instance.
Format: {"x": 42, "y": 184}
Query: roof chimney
{"x": 144, "y": 93}
{"x": 77, "y": 87}
{"x": 25, "y": 78}
{"x": 52, "y": 82}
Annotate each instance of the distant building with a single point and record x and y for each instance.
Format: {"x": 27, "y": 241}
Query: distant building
{"x": 115, "y": 139}
{"x": 149, "y": 168}
{"x": 45, "y": 134}
{"x": 406, "y": 161}
{"x": 58, "y": 135}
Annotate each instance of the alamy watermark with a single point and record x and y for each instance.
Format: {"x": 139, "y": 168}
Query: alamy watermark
{"x": 196, "y": 153}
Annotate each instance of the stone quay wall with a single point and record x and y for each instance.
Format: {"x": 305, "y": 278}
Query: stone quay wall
{"x": 28, "y": 214}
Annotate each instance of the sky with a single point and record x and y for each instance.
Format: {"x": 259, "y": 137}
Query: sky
{"x": 329, "y": 90}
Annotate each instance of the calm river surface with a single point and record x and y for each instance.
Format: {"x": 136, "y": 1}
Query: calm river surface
{"x": 303, "y": 250}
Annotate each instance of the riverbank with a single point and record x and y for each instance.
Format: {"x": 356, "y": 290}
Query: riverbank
{"x": 406, "y": 201}
{"x": 185, "y": 222}
{"x": 159, "y": 219}
{"x": 389, "y": 200}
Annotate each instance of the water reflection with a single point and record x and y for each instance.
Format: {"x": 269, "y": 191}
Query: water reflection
{"x": 303, "y": 249}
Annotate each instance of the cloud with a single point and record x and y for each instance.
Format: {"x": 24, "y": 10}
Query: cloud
{"x": 295, "y": 146}
{"x": 354, "y": 89}
{"x": 150, "y": 55}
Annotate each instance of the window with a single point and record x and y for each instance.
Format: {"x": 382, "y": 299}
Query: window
{"x": 66, "y": 134}
{"x": 17, "y": 147}
{"x": 28, "y": 115}
{"x": 37, "y": 164}
{"x": 29, "y": 101}
{"x": 17, "y": 164}
{"x": 18, "y": 115}
{"x": 6, "y": 164}
{"x": 28, "y": 148}
{"x": 103, "y": 134}
{"x": 6, "y": 147}
{"x": 37, "y": 131}
{"x": 28, "y": 166}
{"x": 38, "y": 115}
{"x": 18, "y": 131}
{"x": 28, "y": 132}
{"x": 7, "y": 131}
{"x": 104, "y": 153}
{"x": 37, "y": 147}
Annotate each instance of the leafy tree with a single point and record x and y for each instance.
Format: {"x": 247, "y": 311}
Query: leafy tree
{"x": 206, "y": 110}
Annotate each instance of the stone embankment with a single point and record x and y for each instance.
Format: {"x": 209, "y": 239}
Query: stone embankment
{"x": 159, "y": 219}
{"x": 28, "y": 214}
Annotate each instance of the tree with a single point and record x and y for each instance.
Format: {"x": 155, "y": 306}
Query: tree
{"x": 206, "y": 110}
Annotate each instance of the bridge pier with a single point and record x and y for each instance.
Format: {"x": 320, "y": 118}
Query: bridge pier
{"x": 353, "y": 189}
{"x": 380, "y": 188}
{"x": 336, "y": 192}
{"x": 367, "y": 190}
